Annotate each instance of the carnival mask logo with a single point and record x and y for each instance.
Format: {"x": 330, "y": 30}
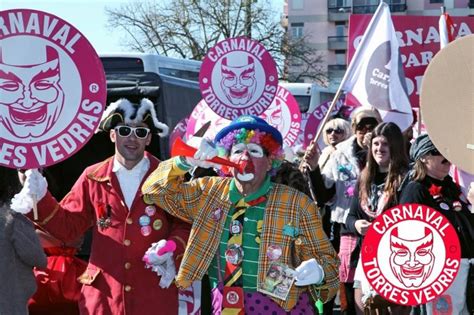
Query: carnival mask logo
{"x": 412, "y": 260}
{"x": 274, "y": 115}
{"x": 31, "y": 98}
{"x": 238, "y": 81}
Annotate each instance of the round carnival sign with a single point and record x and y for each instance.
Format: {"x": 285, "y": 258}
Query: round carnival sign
{"x": 52, "y": 89}
{"x": 411, "y": 254}
{"x": 238, "y": 77}
{"x": 283, "y": 114}
{"x": 316, "y": 117}
{"x": 179, "y": 131}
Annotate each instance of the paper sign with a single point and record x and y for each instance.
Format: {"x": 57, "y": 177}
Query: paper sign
{"x": 179, "y": 131}
{"x": 317, "y": 116}
{"x": 52, "y": 89}
{"x": 284, "y": 114}
{"x": 238, "y": 77}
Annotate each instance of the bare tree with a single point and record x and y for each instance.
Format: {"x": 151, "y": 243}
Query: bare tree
{"x": 189, "y": 28}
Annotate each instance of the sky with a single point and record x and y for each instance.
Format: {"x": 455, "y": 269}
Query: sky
{"x": 88, "y": 16}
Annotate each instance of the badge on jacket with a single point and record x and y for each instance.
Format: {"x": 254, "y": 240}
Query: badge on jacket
{"x": 103, "y": 214}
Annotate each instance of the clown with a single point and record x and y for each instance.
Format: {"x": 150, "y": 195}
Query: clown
{"x": 31, "y": 98}
{"x": 242, "y": 224}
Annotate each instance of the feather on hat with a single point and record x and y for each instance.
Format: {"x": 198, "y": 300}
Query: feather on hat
{"x": 124, "y": 111}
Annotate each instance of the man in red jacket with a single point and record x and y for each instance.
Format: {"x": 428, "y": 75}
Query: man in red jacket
{"x": 107, "y": 198}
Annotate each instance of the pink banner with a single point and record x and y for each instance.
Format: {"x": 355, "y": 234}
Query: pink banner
{"x": 179, "y": 131}
{"x": 52, "y": 91}
{"x": 315, "y": 118}
{"x": 283, "y": 114}
{"x": 418, "y": 37}
{"x": 238, "y": 77}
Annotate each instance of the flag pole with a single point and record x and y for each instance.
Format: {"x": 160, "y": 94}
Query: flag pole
{"x": 348, "y": 70}
{"x": 328, "y": 114}
{"x": 313, "y": 144}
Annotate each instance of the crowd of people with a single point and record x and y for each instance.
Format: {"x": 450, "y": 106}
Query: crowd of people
{"x": 267, "y": 243}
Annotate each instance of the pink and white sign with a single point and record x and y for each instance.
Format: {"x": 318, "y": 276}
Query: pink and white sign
{"x": 315, "y": 118}
{"x": 179, "y": 131}
{"x": 283, "y": 114}
{"x": 418, "y": 38}
{"x": 52, "y": 89}
{"x": 238, "y": 77}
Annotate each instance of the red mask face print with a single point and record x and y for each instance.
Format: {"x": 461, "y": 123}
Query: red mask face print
{"x": 412, "y": 260}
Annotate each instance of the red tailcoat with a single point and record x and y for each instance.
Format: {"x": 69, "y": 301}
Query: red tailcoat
{"x": 116, "y": 281}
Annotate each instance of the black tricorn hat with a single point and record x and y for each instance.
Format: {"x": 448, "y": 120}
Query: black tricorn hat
{"x": 124, "y": 111}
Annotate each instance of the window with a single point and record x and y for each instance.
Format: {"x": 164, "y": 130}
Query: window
{"x": 340, "y": 30}
{"x": 303, "y": 101}
{"x": 297, "y": 30}
{"x": 122, "y": 64}
{"x": 436, "y": 1}
{"x": 340, "y": 57}
{"x": 297, "y": 4}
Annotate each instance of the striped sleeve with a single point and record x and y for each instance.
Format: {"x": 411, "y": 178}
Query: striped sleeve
{"x": 165, "y": 187}
{"x": 316, "y": 245}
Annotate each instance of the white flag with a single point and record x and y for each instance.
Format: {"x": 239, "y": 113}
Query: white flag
{"x": 445, "y": 25}
{"x": 375, "y": 74}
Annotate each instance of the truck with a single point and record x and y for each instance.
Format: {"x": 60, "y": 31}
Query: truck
{"x": 309, "y": 95}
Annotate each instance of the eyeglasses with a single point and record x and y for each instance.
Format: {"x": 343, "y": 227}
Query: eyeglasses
{"x": 337, "y": 131}
{"x": 126, "y": 131}
{"x": 435, "y": 152}
{"x": 365, "y": 127}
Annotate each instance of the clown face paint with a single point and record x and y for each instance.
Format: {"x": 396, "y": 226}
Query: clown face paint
{"x": 253, "y": 158}
{"x": 31, "y": 98}
{"x": 238, "y": 82}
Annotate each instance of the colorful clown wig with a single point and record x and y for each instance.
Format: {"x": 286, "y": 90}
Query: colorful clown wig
{"x": 270, "y": 146}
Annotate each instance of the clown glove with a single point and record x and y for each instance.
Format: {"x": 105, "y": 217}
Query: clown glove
{"x": 205, "y": 152}
{"x": 309, "y": 272}
{"x": 34, "y": 189}
{"x": 159, "y": 257}
{"x": 168, "y": 274}
{"x": 159, "y": 253}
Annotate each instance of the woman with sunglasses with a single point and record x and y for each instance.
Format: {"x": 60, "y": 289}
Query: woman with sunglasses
{"x": 335, "y": 131}
{"x": 377, "y": 190}
{"x": 431, "y": 185}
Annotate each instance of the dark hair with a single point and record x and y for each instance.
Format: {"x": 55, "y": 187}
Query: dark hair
{"x": 9, "y": 184}
{"x": 289, "y": 174}
{"x": 398, "y": 163}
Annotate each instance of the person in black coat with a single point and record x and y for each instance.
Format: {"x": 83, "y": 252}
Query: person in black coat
{"x": 429, "y": 184}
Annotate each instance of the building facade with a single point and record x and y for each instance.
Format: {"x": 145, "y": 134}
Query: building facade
{"x": 324, "y": 24}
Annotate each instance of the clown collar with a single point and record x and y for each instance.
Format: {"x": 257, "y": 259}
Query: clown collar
{"x": 235, "y": 195}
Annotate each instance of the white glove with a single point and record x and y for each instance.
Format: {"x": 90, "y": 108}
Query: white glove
{"x": 34, "y": 189}
{"x": 205, "y": 151}
{"x": 309, "y": 272}
{"x": 163, "y": 265}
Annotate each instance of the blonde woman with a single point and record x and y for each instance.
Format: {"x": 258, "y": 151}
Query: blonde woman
{"x": 335, "y": 131}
